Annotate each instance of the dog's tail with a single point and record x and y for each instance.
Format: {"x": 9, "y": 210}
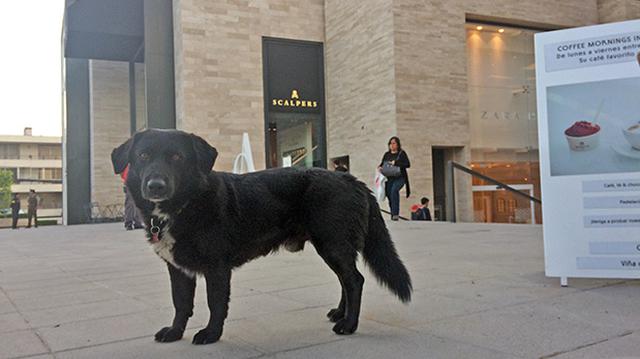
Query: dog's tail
{"x": 380, "y": 254}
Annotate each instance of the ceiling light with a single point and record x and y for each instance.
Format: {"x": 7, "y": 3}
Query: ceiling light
{"x": 478, "y": 28}
{"x": 501, "y": 30}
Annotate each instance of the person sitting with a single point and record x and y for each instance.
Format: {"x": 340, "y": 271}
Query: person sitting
{"x": 421, "y": 213}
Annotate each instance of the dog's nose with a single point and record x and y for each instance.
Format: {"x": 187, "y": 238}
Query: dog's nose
{"x": 156, "y": 186}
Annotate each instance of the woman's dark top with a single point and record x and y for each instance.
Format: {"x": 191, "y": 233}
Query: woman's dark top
{"x": 402, "y": 161}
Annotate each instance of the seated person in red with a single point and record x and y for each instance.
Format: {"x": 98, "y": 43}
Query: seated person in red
{"x": 421, "y": 213}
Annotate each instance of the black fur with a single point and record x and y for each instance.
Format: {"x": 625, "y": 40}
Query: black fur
{"x": 220, "y": 221}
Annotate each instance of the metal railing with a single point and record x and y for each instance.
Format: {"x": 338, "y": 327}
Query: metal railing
{"x": 450, "y": 187}
{"x": 98, "y": 213}
{"x": 387, "y": 212}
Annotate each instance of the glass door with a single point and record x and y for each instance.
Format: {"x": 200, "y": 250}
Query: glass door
{"x": 502, "y": 111}
{"x": 295, "y": 140}
{"x": 495, "y": 205}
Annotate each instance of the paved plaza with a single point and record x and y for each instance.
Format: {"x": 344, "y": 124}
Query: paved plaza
{"x": 97, "y": 291}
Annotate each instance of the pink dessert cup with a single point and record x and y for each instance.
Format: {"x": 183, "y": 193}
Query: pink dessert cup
{"x": 583, "y": 143}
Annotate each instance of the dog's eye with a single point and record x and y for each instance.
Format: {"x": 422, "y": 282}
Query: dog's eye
{"x": 144, "y": 156}
{"x": 176, "y": 157}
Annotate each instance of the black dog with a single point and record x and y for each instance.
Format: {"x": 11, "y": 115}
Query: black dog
{"x": 204, "y": 222}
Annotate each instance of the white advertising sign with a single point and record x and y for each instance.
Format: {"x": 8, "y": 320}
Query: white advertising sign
{"x": 588, "y": 93}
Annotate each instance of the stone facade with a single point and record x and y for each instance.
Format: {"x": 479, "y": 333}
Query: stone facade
{"x": 360, "y": 82}
{"x": 618, "y": 10}
{"x": 110, "y": 124}
{"x": 428, "y": 87}
{"x": 431, "y": 79}
{"x": 218, "y": 65}
{"x": 392, "y": 67}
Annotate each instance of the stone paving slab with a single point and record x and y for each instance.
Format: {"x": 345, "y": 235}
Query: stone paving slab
{"x": 146, "y": 348}
{"x": 389, "y": 342}
{"x": 526, "y": 330}
{"x": 97, "y": 291}
{"x": 20, "y": 343}
{"x": 624, "y": 346}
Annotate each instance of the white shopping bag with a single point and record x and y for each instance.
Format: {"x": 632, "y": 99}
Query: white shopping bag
{"x": 378, "y": 186}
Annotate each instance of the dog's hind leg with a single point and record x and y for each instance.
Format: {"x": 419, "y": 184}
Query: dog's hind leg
{"x": 218, "y": 290}
{"x": 341, "y": 259}
{"x": 182, "y": 292}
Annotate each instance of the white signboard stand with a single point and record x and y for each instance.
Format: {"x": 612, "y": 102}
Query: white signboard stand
{"x": 244, "y": 160}
{"x": 588, "y": 93}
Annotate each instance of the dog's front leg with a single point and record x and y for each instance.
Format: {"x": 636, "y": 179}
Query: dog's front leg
{"x": 182, "y": 292}
{"x": 218, "y": 289}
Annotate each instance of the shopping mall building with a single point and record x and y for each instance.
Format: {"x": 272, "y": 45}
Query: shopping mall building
{"x": 312, "y": 81}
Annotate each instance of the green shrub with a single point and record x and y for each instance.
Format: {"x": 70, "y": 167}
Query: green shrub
{"x": 6, "y": 180}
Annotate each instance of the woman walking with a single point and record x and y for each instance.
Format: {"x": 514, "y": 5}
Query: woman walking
{"x": 394, "y": 166}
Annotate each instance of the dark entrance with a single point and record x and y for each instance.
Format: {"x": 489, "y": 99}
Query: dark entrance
{"x": 439, "y": 158}
{"x": 294, "y": 103}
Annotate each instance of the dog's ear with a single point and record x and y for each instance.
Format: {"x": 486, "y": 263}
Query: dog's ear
{"x": 120, "y": 155}
{"x": 206, "y": 154}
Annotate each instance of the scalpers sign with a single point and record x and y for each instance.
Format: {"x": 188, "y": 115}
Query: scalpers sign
{"x": 294, "y": 101}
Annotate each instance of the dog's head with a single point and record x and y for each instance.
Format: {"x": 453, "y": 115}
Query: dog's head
{"x": 163, "y": 163}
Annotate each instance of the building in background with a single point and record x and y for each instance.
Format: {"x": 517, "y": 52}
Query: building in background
{"x": 316, "y": 80}
{"x": 36, "y": 163}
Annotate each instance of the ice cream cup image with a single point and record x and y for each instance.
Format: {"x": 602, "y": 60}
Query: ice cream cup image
{"x": 632, "y": 135}
{"x": 583, "y": 136}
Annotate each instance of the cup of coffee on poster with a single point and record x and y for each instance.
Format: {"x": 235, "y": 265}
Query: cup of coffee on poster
{"x": 632, "y": 135}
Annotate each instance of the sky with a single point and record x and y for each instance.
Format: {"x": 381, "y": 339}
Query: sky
{"x": 30, "y": 67}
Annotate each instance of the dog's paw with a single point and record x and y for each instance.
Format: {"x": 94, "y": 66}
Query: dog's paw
{"x": 206, "y": 336}
{"x": 345, "y": 327}
{"x": 335, "y": 314}
{"x": 169, "y": 334}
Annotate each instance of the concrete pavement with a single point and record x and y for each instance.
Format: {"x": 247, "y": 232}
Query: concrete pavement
{"x": 96, "y": 291}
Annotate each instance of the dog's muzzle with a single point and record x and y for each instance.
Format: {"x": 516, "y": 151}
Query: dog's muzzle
{"x": 157, "y": 189}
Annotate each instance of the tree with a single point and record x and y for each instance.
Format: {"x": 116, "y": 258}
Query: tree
{"x": 6, "y": 180}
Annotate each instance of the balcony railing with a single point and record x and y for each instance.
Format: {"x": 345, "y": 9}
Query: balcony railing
{"x": 22, "y": 180}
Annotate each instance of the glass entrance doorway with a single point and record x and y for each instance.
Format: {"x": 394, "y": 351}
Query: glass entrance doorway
{"x": 295, "y": 140}
{"x": 495, "y": 205}
{"x": 438, "y": 165}
{"x": 502, "y": 118}
{"x": 293, "y": 73}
